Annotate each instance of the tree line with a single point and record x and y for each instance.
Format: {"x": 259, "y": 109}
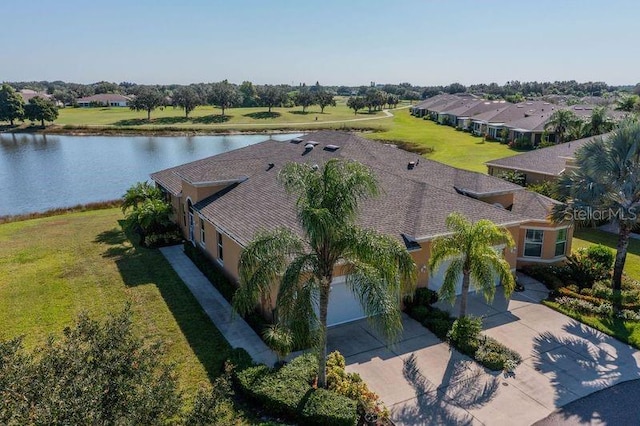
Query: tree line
{"x": 12, "y": 107}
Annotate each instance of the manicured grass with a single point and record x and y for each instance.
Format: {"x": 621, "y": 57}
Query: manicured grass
{"x": 208, "y": 117}
{"x": 53, "y": 268}
{"x": 625, "y": 331}
{"x": 452, "y": 147}
{"x": 588, "y": 236}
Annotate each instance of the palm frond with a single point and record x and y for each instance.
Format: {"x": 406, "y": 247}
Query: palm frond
{"x": 451, "y": 279}
{"x": 261, "y": 264}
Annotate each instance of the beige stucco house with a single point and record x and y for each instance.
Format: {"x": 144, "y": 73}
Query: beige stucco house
{"x": 221, "y": 202}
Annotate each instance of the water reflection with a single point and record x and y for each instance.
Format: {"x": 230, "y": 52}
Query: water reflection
{"x": 39, "y": 172}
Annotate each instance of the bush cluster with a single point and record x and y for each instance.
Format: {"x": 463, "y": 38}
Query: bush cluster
{"x": 288, "y": 391}
{"x": 546, "y": 274}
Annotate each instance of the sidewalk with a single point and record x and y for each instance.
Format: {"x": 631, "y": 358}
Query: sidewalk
{"x": 234, "y": 329}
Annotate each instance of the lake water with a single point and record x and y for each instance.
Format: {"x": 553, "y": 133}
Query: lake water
{"x": 40, "y": 172}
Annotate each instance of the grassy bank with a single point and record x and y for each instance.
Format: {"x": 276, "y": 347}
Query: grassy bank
{"x": 452, "y": 147}
{"x": 53, "y": 268}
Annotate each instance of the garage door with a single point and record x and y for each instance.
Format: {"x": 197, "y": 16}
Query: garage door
{"x": 343, "y": 305}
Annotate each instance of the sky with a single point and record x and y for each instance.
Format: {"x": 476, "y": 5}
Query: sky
{"x": 335, "y": 42}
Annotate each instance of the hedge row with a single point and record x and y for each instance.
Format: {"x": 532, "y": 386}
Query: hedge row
{"x": 287, "y": 391}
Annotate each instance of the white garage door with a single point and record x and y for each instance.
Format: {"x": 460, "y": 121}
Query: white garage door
{"x": 343, "y": 305}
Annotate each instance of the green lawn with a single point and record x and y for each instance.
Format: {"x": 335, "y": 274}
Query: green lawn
{"x": 626, "y": 331}
{"x": 53, "y": 268}
{"x": 210, "y": 118}
{"x": 589, "y": 236}
{"x": 452, "y": 147}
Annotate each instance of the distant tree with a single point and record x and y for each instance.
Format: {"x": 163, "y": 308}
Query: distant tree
{"x": 636, "y": 89}
{"x": 105, "y": 87}
{"x": 356, "y": 103}
{"x": 224, "y": 95}
{"x": 375, "y": 99}
{"x": 249, "y": 94}
{"x": 146, "y": 99}
{"x": 324, "y": 99}
{"x": 271, "y": 96}
{"x": 40, "y": 109}
{"x": 11, "y": 104}
{"x": 455, "y": 88}
{"x": 627, "y": 103}
{"x": 304, "y": 98}
{"x": 562, "y": 122}
{"x": 187, "y": 98}
{"x": 343, "y": 91}
{"x": 392, "y": 100}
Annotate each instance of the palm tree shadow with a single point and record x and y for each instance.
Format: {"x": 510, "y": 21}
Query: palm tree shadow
{"x": 139, "y": 266}
{"x": 583, "y": 362}
{"x": 442, "y": 406}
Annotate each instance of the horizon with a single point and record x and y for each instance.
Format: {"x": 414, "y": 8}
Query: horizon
{"x": 423, "y": 43}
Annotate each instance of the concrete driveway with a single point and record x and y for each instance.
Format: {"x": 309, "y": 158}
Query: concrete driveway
{"x": 424, "y": 382}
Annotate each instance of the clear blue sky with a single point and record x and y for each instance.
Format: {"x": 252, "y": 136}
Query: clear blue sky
{"x": 348, "y": 42}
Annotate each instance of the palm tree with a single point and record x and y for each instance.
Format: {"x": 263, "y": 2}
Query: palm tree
{"x": 378, "y": 269}
{"x": 471, "y": 251}
{"x": 139, "y": 193}
{"x": 599, "y": 123}
{"x": 626, "y": 103}
{"x": 561, "y": 123}
{"x": 607, "y": 180}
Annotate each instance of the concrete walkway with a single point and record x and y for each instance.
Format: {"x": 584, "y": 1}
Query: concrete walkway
{"x": 234, "y": 329}
{"x": 424, "y": 382}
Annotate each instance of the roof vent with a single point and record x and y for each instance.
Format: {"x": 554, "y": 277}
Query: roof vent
{"x": 331, "y": 148}
{"x": 314, "y": 143}
{"x": 309, "y": 146}
{"x": 296, "y": 140}
{"x": 411, "y": 165}
{"x": 270, "y": 166}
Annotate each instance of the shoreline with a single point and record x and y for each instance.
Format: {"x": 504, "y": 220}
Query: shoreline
{"x": 56, "y": 211}
{"x": 68, "y": 130}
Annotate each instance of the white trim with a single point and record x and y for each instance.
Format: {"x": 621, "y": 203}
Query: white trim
{"x": 540, "y": 260}
{"x": 542, "y": 228}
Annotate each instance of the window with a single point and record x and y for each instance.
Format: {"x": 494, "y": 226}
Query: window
{"x": 533, "y": 243}
{"x": 561, "y": 242}
{"x": 220, "y": 253}
{"x": 202, "y": 241}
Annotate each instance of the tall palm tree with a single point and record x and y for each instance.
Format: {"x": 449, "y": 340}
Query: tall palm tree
{"x": 599, "y": 122}
{"x": 561, "y": 123}
{"x": 470, "y": 248}
{"x": 606, "y": 180}
{"x": 378, "y": 269}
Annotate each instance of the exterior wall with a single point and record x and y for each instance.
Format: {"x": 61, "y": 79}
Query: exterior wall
{"x": 200, "y": 192}
{"x": 530, "y": 177}
{"x": 550, "y": 235}
{"x": 505, "y": 200}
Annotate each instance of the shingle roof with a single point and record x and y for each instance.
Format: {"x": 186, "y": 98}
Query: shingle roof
{"x": 547, "y": 161}
{"x": 513, "y": 112}
{"x": 532, "y": 205}
{"x": 105, "y": 97}
{"x": 414, "y": 202}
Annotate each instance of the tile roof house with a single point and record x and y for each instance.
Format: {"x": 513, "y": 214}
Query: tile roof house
{"x": 105, "y": 99}
{"x": 539, "y": 165}
{"x": 222, "y": 201}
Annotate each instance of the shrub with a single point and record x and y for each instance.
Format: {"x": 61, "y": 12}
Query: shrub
{"x": 352, "y": 386}
{"x": 438, "y": 326}
{"x": 495, "y": 356}
{"x": 164, "y": 239}
{"x": 278, "y": 338}
{"x": 584, "y": 268}
{"x": 600, "y": 254}
{"x": 546, "y": 274}
{"x": 287, "y": 391}
{"x": 464, "y": 333}
{"x": 240, "y": 359}
{"x": 425, "y": 297}
{"x": 419, "y": 313}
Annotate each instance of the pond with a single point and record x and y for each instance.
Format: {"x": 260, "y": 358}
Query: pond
{"x": 41, "y": 172}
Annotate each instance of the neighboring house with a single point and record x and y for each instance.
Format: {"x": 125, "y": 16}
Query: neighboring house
{"x": 492, "y": 123}
{"x": 539, "y": 165}
{"x": 28, "y": 94}
{"x": 220, "y": 203}
{"x": 104, "y": 99}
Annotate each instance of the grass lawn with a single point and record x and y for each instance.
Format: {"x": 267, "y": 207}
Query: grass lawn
{"x": 452, "y": 147}
{"x": 589, "y": 236}
{"x": 626, "y": 331}
{"x": 210, "y": 118}
{"x": 53, "y": 268}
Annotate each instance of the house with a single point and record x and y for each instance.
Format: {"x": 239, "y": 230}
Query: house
{"x": 104, "y": 99}
{"x": 221, "y": 202}
{"x": 539, "y": 165}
